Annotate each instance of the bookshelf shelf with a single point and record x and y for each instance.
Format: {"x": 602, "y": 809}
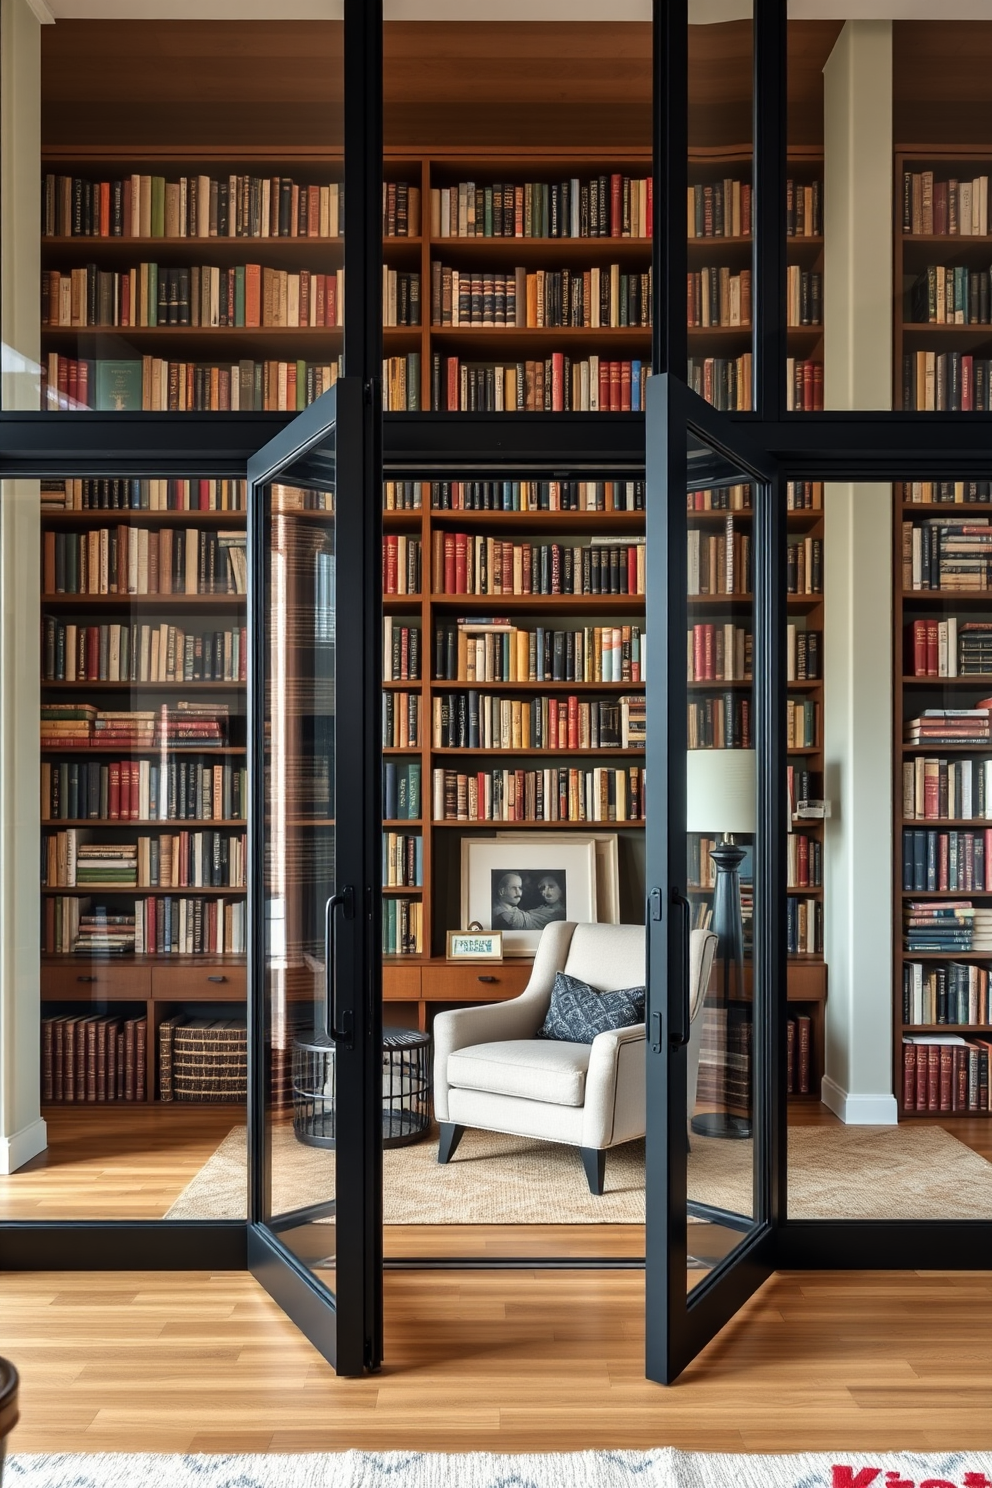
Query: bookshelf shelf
{"x": 133, "y": 751}
{"x": 93, "y": 685}
{"x": 566, "y": 687}
{"x": 497, "y": 755}
{"x": 145, "y": 824}
{"x": 130, "y": 890}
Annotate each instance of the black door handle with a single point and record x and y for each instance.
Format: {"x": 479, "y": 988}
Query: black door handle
{"x": 680, "y": 1034}
{"x": 344, "y": 900}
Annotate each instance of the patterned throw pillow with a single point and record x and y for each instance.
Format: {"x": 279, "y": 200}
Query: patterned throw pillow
{"x": 578, "y": 1012}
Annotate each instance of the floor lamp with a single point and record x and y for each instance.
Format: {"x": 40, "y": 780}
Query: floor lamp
{"x": 720, "y": 800}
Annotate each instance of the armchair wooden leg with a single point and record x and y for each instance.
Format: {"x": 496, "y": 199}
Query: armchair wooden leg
{"x": 451, "y": 1135}
{"x": 594, "y": 1162}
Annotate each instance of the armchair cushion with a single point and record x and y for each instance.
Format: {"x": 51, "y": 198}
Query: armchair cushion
{"x": 579, "y": 1012}
{"x": 551, "y": 1072}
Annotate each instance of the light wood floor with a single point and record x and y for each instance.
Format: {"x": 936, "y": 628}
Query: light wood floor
{"x": 503, "y": 1362}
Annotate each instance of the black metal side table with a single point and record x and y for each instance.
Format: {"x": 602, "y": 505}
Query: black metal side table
{"x": 407, "y": 1082}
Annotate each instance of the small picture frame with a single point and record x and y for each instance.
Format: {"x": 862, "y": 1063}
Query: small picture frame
{"x": 475, "y": 945}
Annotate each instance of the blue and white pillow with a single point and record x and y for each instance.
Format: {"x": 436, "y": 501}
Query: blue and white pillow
{"x": 578, "y": 1012}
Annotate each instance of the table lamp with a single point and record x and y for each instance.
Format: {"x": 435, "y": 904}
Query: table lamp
{"x": 720, "y": 800}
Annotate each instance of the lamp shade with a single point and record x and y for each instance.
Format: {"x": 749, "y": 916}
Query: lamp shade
{"x": 720, "y": 790}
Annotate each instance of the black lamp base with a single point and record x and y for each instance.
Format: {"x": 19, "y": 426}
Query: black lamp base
{"x": 721, "y": 1124}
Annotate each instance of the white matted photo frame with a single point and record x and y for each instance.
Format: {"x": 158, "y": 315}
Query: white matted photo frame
{"x": 519, "y": 883}
{"x": 607, "y": 871}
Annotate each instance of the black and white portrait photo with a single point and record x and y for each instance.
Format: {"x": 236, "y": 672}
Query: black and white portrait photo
{"x": 528, "y": 899}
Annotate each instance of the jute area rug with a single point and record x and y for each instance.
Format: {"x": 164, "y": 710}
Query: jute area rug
{"x": 663, "y": 1467}
{"x": 842, "y": 1172}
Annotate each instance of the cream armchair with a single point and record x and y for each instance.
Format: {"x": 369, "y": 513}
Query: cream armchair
{"x": 492, "y": 1071}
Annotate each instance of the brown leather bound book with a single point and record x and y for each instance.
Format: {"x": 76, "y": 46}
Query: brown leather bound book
{"x": 119, "y": 1063}
{"x": 129, "y": 1058}
{"x": 790, "y": 1058}
{"x": 908, "y": 1077}
{"x": 933, "y": 1077}
{"x": 91, "y": 1030}
{"x": 58, "y": 1060}
{"x": 140, "y": 1042}
{"x": 803, "y": 1031}
{"x": 946, "y": 1076}
{"x": 47, "y": 1072}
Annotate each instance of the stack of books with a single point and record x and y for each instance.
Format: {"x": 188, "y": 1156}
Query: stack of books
{"x": 124, "y": 730}
{"x": 944, "y": 927}
{"x": 67, "y": 725}
{"x": 950, "y": 726}
{"x": 104, "y": 932}
{"x": 944, "y": 554}
{"x": 106, "y": 865}
{"x": 192, "y": 725}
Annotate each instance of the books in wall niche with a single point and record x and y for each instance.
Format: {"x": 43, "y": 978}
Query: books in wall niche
{"x": 940, "y": 492}
{"x": 719, "y": 562}
{"x": 951, "y": 296}
{"x": 400, "y": 720}
{"x": 945, "y": 1072}
{"x": 955, "y": 790}
{"x": 943, "y": 554}
{"x": 92, "y": 1057}
{"x": 948, "y": 992}
{"x": 726, "y": 382}
{"x": 546, "y": 298}
{"x": 719, "y": 653}
{"x": 803, "y": 385}
{"x": 402, "y": 860}
{"x": 402, "y": 927}
{"x": 950, "y": 726}
{"x": 554, "y": 384}
{"x": 485, "y": 721}
{"x": 477, "y": 649}
{"x": 603, "y": 206}
{"x": 953, "y": 861}
{"x": 946, "y": 925}
{"x": 466, "y": 563}
{"x": 716, "y": 297}
{"x": 558, "y": 793}
{"x": 946, "y": 381}
{"x": 400, "y": 791}
{"x": 719, "y": 723}
{"x": 940, "y": 209}
{"x": 180, "y": 789}
{"x": 118, "y": 386}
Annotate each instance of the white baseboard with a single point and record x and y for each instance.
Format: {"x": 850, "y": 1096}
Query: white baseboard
{"x": 20, "y": 1148}
{"x": 859, "y": 1110}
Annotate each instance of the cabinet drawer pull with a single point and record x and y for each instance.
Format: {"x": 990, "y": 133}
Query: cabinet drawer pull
{"x": 216, "y": 978}
{"x": 487, "y": 979}
{"x": 86, "y": 979}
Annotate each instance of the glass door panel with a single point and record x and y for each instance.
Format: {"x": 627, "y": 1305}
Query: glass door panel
{"x": 714, "y": 905}
{"x": 316, "y": 1191}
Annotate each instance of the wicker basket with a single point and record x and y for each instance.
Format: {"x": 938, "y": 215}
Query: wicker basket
{"x": 203, "y": 1059}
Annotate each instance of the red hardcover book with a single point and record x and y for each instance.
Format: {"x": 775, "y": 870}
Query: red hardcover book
{"x": 305, "y": 286}
{"x": 699, "y": 657}
{"x": 129, "y": 1058}
{"x": 649, "y": 225}
{"x": 461, "y": 564}
{"x": 313, "y": 211}
{"x": 808, "y": 404}
{"x": 91, "y": 1032}
{"x": 933, "y": 1077}
{"x": 604, "y": 386}
{"x": 790, "y": 1057}
{"x": 573, "y": 722}
{"x": 135, "y": 790}
{"x": 919, "y": 648}
{"x": 616, "y": 206}
{"x": 625, "y": 386}
{"x": 921, "y": 1077}
{"x": 960, "y": 1094}
{"x": 967, "y": 383}
{"x": 140, "y": 1044}
{"x": 448, "y": 586}
{"x": 946, "y": 1076}
{"x": 632, "y": 571}
{"x": 933, "y": 648}
{"x": 803, "y": 1033}
{"x": 114, "y": 793}
{"x": 615, "y": 404}
{"x": 709, "y": 653}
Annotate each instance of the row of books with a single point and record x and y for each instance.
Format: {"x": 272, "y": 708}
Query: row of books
{"x": 605, "y": 206}
{"x": 950, "y": 296}
{"x": 719, "y": 209}
{"x": 803, "y": 926}
{"x": 798, "y": 1055}
{"x": 84, "y": 726}
{"x": 716, "y": 297}
{"x": 947, "y": 926}
{"x": 803, "y": 787}
{"x": 176, "y": 789}
{"x": 203, "y": 1059}
{"x": 516, "y": 495}
{"x": 945, "y": 381}
{"x": 474, "y": 720}
{"x": 950, "y": 992}
{"x": 719, "y": 723}
{"x": 116, "y": 652}
{"x": 477, "y": 651}
{"x": 401, "y": 377}
{"x": 721, "y": 498}
{"x": 803, "y": 654}
{"x": 719, "y": 653}
{"x": 400, "y": 210}
{"x": 719, "y": 562}
{"x": 400, "y": 298}
{"x": 400, "y": 651}
{"x": 401, "y": 800}
{"x": 948, "y": 648}
{"x": 193, "y": 206}
{"x": 144, "y": 560}
{"x": 952, "y": 208}
{"x": 804, "y": 565}
{"x": 941, "y": 553}
{"x": 558, "y": 793}
{"x": 93, "y": 1057}
{"x": 155, "y": 385}
{"x": 726, "y": 382}
{"x": 151, "y": 295}
{"x": 164, "y": 925}
{"x": 931, "y": 493}
{"x": 117, "y": 494}
{"x": 401, "y": 720}
{"x": 803, "y": 385}
{"x": 402, "y": 927}
{"x": 467, "y": 563}
{"x": 945, "y": 1073}
{"x": 803, "y": 297}
{"x": 554, "y": 384}
{"x": 949, "y": 790}
{"x": 804, "y": 495}
{"x": 950, "y": 726}
{"x": 955, "y": 862}
{"x": 402, "y": 860}
{"x": 804, "y": 861}
{"x": 515, "y": 298}
{"x": 802, "y": 723}
{"x": 183, "y": 860}
{"x": 401, "y": 564}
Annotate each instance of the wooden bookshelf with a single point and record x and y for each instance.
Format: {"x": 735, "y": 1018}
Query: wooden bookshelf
{"x": 911, "y": 694}
{"x": 128, "y": 986}
{"x": 915, "y": 251}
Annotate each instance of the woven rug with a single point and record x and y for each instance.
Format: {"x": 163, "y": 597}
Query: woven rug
{"x": 835, "y": 1172}
{"x": 662, "y": 1467}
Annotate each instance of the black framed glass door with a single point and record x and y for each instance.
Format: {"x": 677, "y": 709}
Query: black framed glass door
{"x": 714, "y": 856}
{"x": 315, "y": 1236}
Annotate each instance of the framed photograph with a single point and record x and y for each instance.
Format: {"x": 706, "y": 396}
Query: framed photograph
{"x": 475, "y": 945}
{"x": 519, "y": 885}
{"x": 607, "y": 871}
